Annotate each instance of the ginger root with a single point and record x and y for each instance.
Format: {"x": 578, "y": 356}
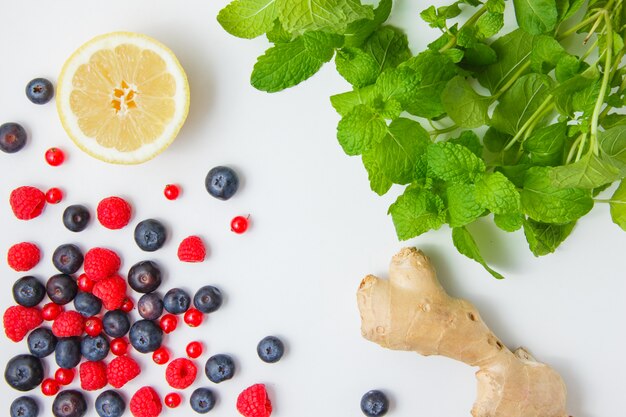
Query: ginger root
{"x": 412, "y": 311}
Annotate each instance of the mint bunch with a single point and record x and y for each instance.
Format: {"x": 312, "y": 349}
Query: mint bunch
{"x": 553, "y": 134}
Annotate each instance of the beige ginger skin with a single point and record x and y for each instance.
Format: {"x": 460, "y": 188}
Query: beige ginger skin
{"x": 411, "y": 311}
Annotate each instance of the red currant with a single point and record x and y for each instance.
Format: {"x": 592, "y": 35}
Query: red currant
{"x": 55, "y": 157}
{"x": 168, "y": 323}
{"x": 127, "y": 305}
{"x": 85, "y": 284}
{"x": 193, "y": 317}
{"x": 93, "y": 326}
{"x": 171, "y": 191}
{"x": 172, "y": 400}
{"x": 50, "y": 311}
{"x": 239, "y": 224}
{"x": 49, "y": 387}
{"x": 118, "y": 346}
{"x": 64, "y": 376}
{"x": 194, "y": 350}
{"x": 54, "y": 195}
{"x": 161, "y": 356}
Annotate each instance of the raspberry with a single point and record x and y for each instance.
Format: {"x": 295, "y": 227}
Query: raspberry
{"x": 112, "y": 292}
{"x": 23, "y": 256}
{"x": 180, "y": 373}
{"x": 121, "y": 370}
{"x": 19, "y": 320}
{"x": 254, "y": 402}
{"x": 101, "y": 263}
{"x": 27, "y": 202}
{"x": 191, "y": 249}
{"x": 145, "y": 403}
{"x": 93, "y": 375}
{"x": 68, "y": 324}
{"x": 113, "y": 212}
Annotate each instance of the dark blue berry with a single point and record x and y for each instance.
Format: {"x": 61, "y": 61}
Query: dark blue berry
{"x": 144, "y": 277}
{"x": 41, "y": 342}
{"x": 94, "y": 348}
{"x": 270, "y": 349}
{"x": 374, "y": 403}
{"x": 39, "y": 91}
{"x": 150, "y": 235}
{"x": 221, "y": 182}
{"x": 69, "y": 403}
{"x": 28, "y": 291}
{"x": 76, "y": 218}
{"x": 24, "y": 407}
{"x": 67, "y": 258}
{"x": 87, "y": 304}
{"x": 110, "y": 404}
{"x": 150, "y": 306}
{"x": 219, "y": 368}
{"x": 208, "y": 299}
{"x": 61, "y": 289}
{"x": 202, "y": 400}
{"x": 67, "y": 353}
{"x": 115, "y": 323}
{"x": 12, "y": 137}
{"x": 24, "y": 372}
{"x": 176, "y": 301}
{"x": 145, "y": 336}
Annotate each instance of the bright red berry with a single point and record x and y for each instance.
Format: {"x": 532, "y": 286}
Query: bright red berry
{"x": 239, "y": 224}
{"x": 93, "y": 375}
{"x": 171, "y": 191}
{"x": 118, "y": 346}
{"x": 127, "y": 305}
{"x": 172, "y": 400}
{"x": 113, "y": 212}
{"x": 145, "y": 403}
{"x": 193, "y": 317}
{"x": 194, "y": 350}
{"x": 85, "y": 284}
{"x": 19, "y": 320}
{"x": 51, "y": 311}
{"x": 49, "y": 387}
{"x": 180, "y": 373}
{"x": 121, "y": 370}
{"x": 191, "y": 249}
{"x": 54, "y": 195}
{"x": 64, "y": 376}
{"x": 111, "y": 291}
{"x": 168, "y": 323}
{"x": 27, "y": 202}
{"x": 161, "y": 356}
{"x": 101, "y": 263}
{"x": 93, "y": 326}
{"x": 23, "y": 256}
{"x": 68, "y": 324}
{"x": 254, "y": 402}
{"x": 55, "y": 157}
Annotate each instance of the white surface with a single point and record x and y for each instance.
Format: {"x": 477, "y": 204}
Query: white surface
{"x": 317, "y": 230}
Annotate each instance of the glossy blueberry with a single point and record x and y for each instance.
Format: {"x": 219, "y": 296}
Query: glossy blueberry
{"x": 28, "y": 291}
{"x": 41, "y": 342}
{"x": 61, "y": 289}
{"x": 110, "y": 404}
{"x": 39, "y": 91}
{"x": 69, "y": 403}
{"x": 144, "y": 277}
{"x": 150, "y": 235}
{"x": 221, "y": 182}
{"x": 176, "y": 301}
{"x": 76, "y": 218}
{"x": 12, "y": 137}
{"x": 219, "y": 368}
{"x": 207, "y": 299}
{"x": 202, "y": 400}
{"x": 145, "y": 336}
{"x": 24, "y": 407}
{"x": 94, "y": 348}
{"x": 270, "y": 349}
{"x": 374, "y": 403}
{"x": 67, "y": 353}
{"x": 24, "y": 372}
{"x": 150, "y": 306}
{"x": 67, "y": 258}
{"x": 87, "y": 304}
{"x": 115, "y": 323}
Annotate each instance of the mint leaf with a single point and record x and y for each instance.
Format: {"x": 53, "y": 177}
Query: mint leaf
{"x": 566, "y": 68}
{"x": 454, "y": 163}
{"x": 388, "y": 46}
{"x": 589, "y": 172}
{"x": 479, "y": 55}
{"x": 509, "y": 222}
{"x": 466, "y": 245}
{"x": 470, "y": 140}
{"x": 397, "y": 84}
{"x": 614, "y": 119}
{"x": 463, "y": 206}
{"x": 379, "y": 183}
{"x": 360, "y": 129}
{"x": 489, "y": 24}
{"x": 417, "y": 211}
{"x": 278, "y": 34}
{"x": 298, "y": 16}
{"x": 495, "y": 192}
{"x": 495, "y": 6}
{"x": 618, "y": 205}
{"x": 356, "y": 66}
{"x": 465, "y": 106}
{"x": 544, "y": 238}
{"x": 545, "y": 54}
{"x": 545, "y": 146}
{"x": 359, "y": 30}
{"x": 578, "y": 93}
{"x": 536, "y": 16}
{"x": 613, "y": 145}
{"x": 343, "y": 103}
{"x": 248, "y": 18}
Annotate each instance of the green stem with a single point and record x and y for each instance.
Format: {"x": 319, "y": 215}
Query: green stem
{"x": 572, "y": 150}
{"x": 521, "y": 70}
{"x": 571, "y": 31}
{"x": 452, "y": 42}
{"x": 436, "y": 132}
{"x": 606, "y": 77}
{"x": 545, "y": 107}
{"x": 581, "y": 147}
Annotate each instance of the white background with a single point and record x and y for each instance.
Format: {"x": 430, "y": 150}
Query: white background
{"x": 317, "y": 230}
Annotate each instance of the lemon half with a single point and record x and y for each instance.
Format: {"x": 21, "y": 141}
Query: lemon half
{"x": 122, "y": 97}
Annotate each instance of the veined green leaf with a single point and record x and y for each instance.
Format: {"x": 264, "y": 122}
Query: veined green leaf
{"x": 466, "y": 245}
{"x": 463, "y": 206}
{"x": 589, "y": 172}
{"x": 417, "y": 211}
{"x": 495, "y": 192}
{"x": 544, "y": 238}
{"x": 613, "y": 145}
{"x": 248, "y": 18}
{"x": 356, "y": 66}
{"x": 536, "y": 16}
{"x": 545, "y": 145}
{"x": 465, "y": 106}
{"x": 388, "y": 46}
{"x": 360, "y": 129}
{"x": 358, "y": 31}
{"x": 299, "y": 16}
{"x": 454, "y": 163}
{"x": 618, "y": 205}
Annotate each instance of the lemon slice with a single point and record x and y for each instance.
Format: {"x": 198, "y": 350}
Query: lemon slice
{"x": 122, "y": 97}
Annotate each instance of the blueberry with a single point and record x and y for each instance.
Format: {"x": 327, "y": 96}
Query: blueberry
{"x": 12, "y": 137}
{"x": 208, "y": 299}
{"x": 176, "y": 301}
{"x": 202, "y": 400}
{"x": 28, "y": 291}
{"x": 76, "y": 218}
{"x": 94, "y": 348}
{"x": 69, "y": 403}
{"x": 116, "y": 323}
{"x": 24, "y": 372}
{"x": 61, "y": 289}
{"x": 67, "y": 258}
{"x": 67, "y": 353}
{"x": 145, "y": 336}
{"x": 144, "y": 277}
{"x": 24, "y": 407}
{"x": 270, "y": 349}
{"x": 41, "y": 342}
{"x": 87, "y": 304}
{"x": 150, "y": 306}
{"x": 39, "y": 91}
{"x": 219, "y": 368}
{"x": 374, "y": 403}
{"x": 110, "y": 404}
{"x": 150, "y": 235}
{"x": 221, "y": 182}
